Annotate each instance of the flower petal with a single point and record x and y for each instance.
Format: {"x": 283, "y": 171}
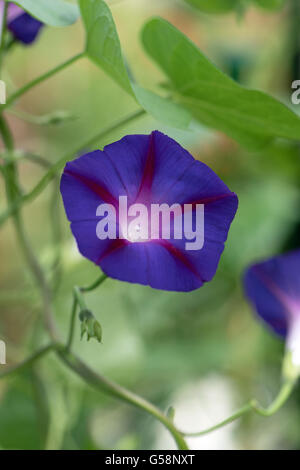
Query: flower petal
{"x": 179, "y": 177}
{"x": 273, "y": 288}
{"x": 88, "y": 244}
{"x": 87, "y": 182}
{"x": 25, "y": 28}
{"x": 150, "y": 264}
{"x": 129, "y": 158}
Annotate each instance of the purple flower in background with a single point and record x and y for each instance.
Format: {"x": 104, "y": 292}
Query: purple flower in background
{"x": 148, "y": 171}
{"x": 273, "y": 287}
{"x": 23, "y": 26}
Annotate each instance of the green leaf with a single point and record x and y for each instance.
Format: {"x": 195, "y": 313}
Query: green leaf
{"x": 269, "y": 4}
{"x": 214, "y": 6}
{"x": 104, "y": 49}
{"x": 162, "y": 109}
{"x": 227, "y": 6}
{"x": 103, "y": 44}
{"x": 251, "y": 117}
{"x": 50, "y": 12}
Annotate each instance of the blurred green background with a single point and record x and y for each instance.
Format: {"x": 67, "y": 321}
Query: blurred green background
{"x": 204, "y": 352}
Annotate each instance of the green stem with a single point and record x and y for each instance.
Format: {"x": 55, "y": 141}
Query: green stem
{"x": 55, "y": 219}
{"x": 79, "y": 297}
{"x": 56, "y": 236}
{"x": 95, "y": 284}
{"x": 37, "y": 159}
{"x": 3, "y": 32}
{"x": 39, "y": 276}
{"x": 50, "y": 174}
{"x": 6, "y": 135}
{"x": 72, "y": 324}
{"x": 28, "y": 362}
{"x": 40, "y": 79}
{"x": 10, "y": 42}
{"x": 283, "y": 395}
{"x": 279, "y": 401}
{"x": 241, "y": 412}
{"x": 103, "y": 384}
{"x": 13, "y": 192}
{"x": 43, "y": 120}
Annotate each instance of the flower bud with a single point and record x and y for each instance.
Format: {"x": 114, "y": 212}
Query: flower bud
{"x": 98, "y": 331}
{"x": 171, "y": 413}
{"x": 90, "y": 326}
{"x": 57, "y": 118}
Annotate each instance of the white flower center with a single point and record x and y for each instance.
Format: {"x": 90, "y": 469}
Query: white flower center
{"x": 134, "y": 234}
{"x": 293, "y": 340}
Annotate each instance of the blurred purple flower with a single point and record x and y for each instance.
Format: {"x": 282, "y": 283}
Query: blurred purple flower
{"x": 148, "y": 169}
{"x": 273, "y": 287}
{"x": 23, "y": 26}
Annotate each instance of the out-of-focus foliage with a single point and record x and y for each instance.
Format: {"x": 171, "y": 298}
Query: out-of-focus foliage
{"x": 269, "y": 4}
{"x": 251, "y": 117}
{"x": 215, "y": 6}
{"x": 227, "y": 6}
{"x": 155, "y": 343}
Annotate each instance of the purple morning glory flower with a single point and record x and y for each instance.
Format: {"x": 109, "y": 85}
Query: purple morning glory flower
{"x": 23, "y": 26}
{"x": 149, "y": 172}
{"x": 273, "y": 287}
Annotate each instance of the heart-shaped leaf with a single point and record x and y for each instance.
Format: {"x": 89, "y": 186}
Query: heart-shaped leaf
{"x": 103, "y": 44}
{"x": 50, "y": 12}
{"x": 162, "y": 109}
{"x": 103, "y": 48}
{"x": 251, "y": 117}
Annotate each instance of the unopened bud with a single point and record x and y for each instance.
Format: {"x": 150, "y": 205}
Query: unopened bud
{"x": 171, "y": 413}
{"x": 56, "y": 118}
{"x": 90, "y": 326}
{"x": 98, "y": 331}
